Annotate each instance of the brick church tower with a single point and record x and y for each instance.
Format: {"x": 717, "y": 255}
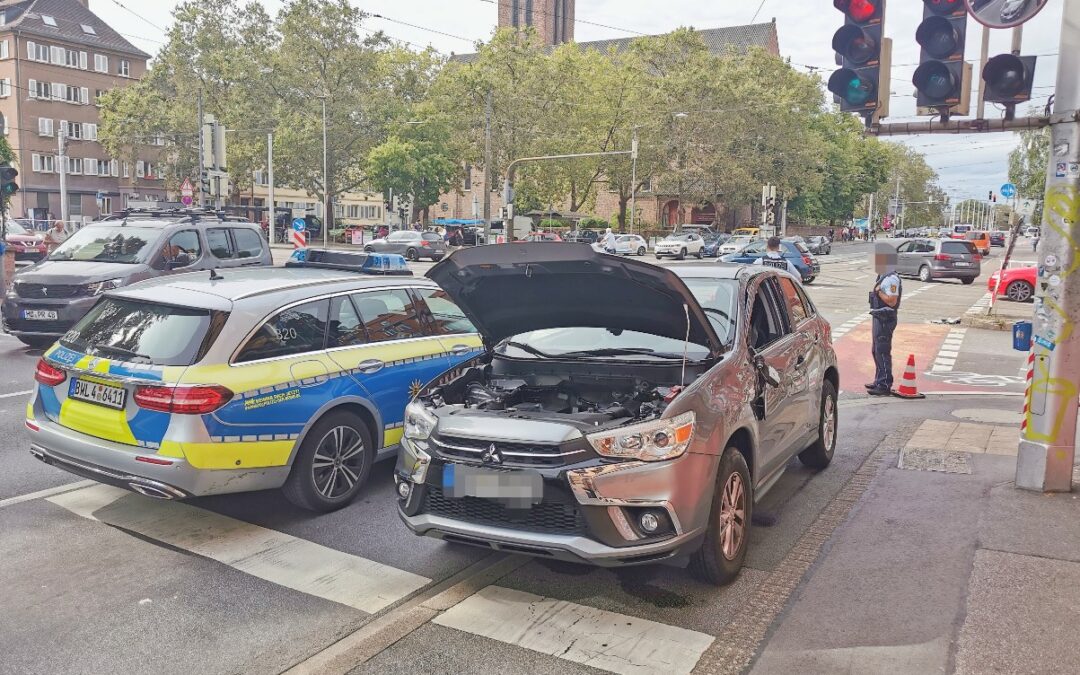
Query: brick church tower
{"x": 553, "y": 20}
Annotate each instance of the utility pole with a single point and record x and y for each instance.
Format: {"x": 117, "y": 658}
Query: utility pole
{"x": 199, "y": 113}
{"x": 61, "y": 168}
{"x": 896, "y": 203}
{"x": 270, "y": 179}
{"x": 1048, "y": 437}
{"x": 870, "y": 212}
{"x": 633, "y": 178}
{"x": 487, "y": 169}
{"x": 325, "y": 173}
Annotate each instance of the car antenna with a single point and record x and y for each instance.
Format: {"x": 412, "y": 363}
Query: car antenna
{"x": 214, "y": 276}
{"x": 686, "y": 344}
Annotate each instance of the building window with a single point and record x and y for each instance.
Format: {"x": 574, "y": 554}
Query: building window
{"x": 104, "y": 167}
{"x": 125, "y": 68}
{"x": 39, "y": 90}
{"x": 37, "y": 52}
{"x": 5, "y": 87}
{"x": 44, "y": 163}
{"x": 514, "y": 9}
{"x": 140, "y": 169}
{"x": 4, "y": 53}
{"x": 89, "y": 30}
{"x": 101, "y": 63}
{"x": 114, "y": 168}
{"x": 90, "y": 166}
{"x": 528, "y": 12}
{"x": 74, "y": 204}
{"x": 75, "y": 166}
{"x": 106, "y": 206}
{"x": 45, "y": 126}
{"x": 72, "y": 130}
{"x": 48, "y": 20}
{"x": 3, "y": 125}
{"x": 127, "y": 170}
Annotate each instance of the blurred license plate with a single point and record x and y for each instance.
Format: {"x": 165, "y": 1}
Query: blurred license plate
{"x": 39, "y": 314}
{"x": 962, "y": 264}
{"x": 521, "y": 488}
{"x": 95, "y": 392}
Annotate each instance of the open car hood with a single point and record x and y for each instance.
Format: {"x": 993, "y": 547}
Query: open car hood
{"x": 507, "y": 289}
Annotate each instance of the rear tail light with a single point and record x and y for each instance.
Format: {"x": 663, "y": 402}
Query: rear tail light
{"x": 807, "y": 260}
{"x": 977, "y": 257}
{"x": 182, "y": 400}
{"x": 48, "y": 375}
{"x": 942, "y": 256}
{"x": 425, "y": 243}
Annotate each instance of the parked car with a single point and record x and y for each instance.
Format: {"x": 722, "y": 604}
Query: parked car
{"x": 1012, "y": 9}
{"x": 794, "y": 252}
{"x": 960, "y": 231}
{"x": 1017, "y": 283}
{"x": 737, "y": 243}
{"x": 541, "y": 236}
{"x": 600, "y": 432}
{"x": 746, "y": 231}
{"x": 998, "y": 238}
{"x": 582, "y": 236}
{"x": 930, "y": 259}
{"x": 25, "y": 244}
{"x": 819, "y": 245}
{"x": 980, "y": 239}
{"x": 626, "y": 244}
{"x": 411, "y": 244}
{"x": 47, "y": 299}
{"x": 713, "y": 244}
{"x": 258, "y": 378}
{"x": 679, "y": 245}
{"x": 704, "y": 231}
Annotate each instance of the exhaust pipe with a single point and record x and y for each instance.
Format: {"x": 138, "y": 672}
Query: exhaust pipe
{"x": 151, "y": 491}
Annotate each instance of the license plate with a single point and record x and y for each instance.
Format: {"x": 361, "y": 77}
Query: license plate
{"x": 39, "y": 314}
{"x": 520, "y": 488}
{"x": 962, "y": 264}
{"x": 95, "y": 392}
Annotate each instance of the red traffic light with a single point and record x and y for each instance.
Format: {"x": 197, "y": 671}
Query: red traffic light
{"x": 854, "y": 44}
{"x": 945, "y": 7}
{"x": 860, "y": 11}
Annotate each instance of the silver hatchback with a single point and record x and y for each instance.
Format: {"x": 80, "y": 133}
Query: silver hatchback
{"x": 930, "y": 259}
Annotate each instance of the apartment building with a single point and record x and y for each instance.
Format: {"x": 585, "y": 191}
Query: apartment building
{"x": 351, "y": 208}
{"x": 56, "y": 58}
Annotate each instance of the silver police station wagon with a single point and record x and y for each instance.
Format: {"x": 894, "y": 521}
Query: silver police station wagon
{"x": 621, "y": 413}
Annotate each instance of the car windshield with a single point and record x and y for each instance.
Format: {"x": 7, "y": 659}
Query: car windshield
{"x": 591, "y": 342}
{"x": 136, "y": 331}
{"x": 113, "y": 243}
{"x": 718, "y": 299}
{"x": 15, "y": 228}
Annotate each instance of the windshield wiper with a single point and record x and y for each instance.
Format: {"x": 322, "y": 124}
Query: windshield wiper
{"x": 620, "y": 351}
{"x": 126, "y": 353}
{"x": 718, "y": 312}
{"x": 527, "y": 348}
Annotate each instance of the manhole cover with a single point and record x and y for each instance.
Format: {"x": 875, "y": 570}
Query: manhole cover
{"x": 925, "y": 459}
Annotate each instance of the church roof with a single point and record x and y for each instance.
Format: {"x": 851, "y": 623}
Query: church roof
{"x": 718, "y": 40}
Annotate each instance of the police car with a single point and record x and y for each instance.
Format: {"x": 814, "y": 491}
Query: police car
{"x": 247, "y": 379}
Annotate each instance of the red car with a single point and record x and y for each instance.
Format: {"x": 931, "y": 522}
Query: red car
{"x": 25, "y": 244}
{"x": 1018, "y": 284}
{"x": 541, "y": 236}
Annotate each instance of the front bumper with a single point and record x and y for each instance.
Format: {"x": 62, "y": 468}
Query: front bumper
{"x": 68, "y": 312}
{"x": 115, "y": 464}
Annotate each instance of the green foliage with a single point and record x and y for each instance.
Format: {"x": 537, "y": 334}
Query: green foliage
{"x": 1028, "y": 163}
{"x": 551, "y": 224}
{"x": 592, "y": 223}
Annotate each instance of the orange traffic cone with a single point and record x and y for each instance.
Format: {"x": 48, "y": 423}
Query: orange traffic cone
{"x": 908, "y": 388}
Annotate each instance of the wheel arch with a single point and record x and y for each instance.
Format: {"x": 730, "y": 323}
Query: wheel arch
{"x": 833, "y": 376}
{"x": 743, "y": 441}
{"x": 361, "y": 406}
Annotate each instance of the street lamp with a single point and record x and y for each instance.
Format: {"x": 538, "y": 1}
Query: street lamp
{"x": 325, "y": 171}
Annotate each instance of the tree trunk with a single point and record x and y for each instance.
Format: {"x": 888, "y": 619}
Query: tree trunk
{"x": 624, "y": 200}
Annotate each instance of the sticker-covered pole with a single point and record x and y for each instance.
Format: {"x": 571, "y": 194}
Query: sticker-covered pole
{"x": 1047, "y": 446}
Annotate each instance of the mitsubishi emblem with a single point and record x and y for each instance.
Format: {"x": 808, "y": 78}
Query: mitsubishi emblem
{"x": 44, "y": 290}
{"x": 491, "y": 455}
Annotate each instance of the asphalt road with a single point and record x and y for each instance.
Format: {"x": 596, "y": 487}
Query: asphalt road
{"x": 97, "y": 580}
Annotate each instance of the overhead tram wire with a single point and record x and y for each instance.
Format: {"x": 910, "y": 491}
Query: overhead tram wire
{"x": 140, "y": 16}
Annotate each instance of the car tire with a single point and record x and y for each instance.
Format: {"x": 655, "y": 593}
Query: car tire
{"x": 820, "y": 453}
{"x": 658, "y": 256}
{"x": 967, "y": 281}
{"x": 1017, "y": 291}
{"x": 925, "y": 275}
{"x": 723, "y": 550}
{"x": 682, "y": 255}
{"x": 641, "y": 251}
{"x": 700, "y": 254}
{"x": 368, "y": 249}
{"x": 809, "y": 280}
{"x": 436, "y": 258}
{"x": 411, "y": 255}
{"x": 36, "y": 342}
{"x": 331, "y": 439}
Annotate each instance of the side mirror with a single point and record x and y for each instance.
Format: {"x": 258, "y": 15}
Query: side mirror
{"x": 768, "y": 373}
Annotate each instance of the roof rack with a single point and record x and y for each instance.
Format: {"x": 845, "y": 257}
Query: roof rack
{"x": 194, "y": 214}
{"x": 348, "y": 261}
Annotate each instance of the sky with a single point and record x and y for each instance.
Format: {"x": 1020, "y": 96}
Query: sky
{"x": 968, "y": 165}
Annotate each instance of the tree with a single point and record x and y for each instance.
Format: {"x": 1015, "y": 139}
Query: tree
{"x": 1028, "y": 164}
{"x": 420, "y": 168}
{"x": 924, "y": 202}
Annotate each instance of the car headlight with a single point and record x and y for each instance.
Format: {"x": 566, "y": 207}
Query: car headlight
{"x": 649, "y": 441}
{"x": 419, "y": 422}
{"x": 101, "y": 286}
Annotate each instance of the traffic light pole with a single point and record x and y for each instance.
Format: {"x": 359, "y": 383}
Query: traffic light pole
{"x": 1048, "y": 441}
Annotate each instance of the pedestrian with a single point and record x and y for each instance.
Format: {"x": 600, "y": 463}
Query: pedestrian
{"x": 774, "y": 257}
{"x": 56, "y": 235}
{"x": 609, "y": 241}
{"x": 884, "y": 308}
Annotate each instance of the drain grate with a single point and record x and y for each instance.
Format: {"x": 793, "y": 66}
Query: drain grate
{"x": 926, "y": 459}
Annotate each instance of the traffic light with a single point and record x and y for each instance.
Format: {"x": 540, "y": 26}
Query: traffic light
{"x": 942, "y": 80}
{"x": 8, "y": 186}
{"x": 1008, "y": 78}
{"x": 861, "y": 84}
{"x": 204, "y": 182}
{"x": 992, "y": 197}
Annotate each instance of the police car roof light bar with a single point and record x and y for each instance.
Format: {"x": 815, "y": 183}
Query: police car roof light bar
{"x": 348, "y": 261}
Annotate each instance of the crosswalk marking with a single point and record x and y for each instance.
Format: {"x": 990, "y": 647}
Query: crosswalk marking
{"x": 277, "y": 557}
{"x": 594, "y": 637}
{"x": 950, "y": 351}
{"x": 980, "y": 305}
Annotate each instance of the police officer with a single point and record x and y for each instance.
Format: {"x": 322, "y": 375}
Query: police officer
{"x": 774, "y": 257}
{"x": 884, "y": 306}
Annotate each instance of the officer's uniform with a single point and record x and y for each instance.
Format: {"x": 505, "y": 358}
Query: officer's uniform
{"x": 778, "y": 261}
{"x": 884, "y": 318}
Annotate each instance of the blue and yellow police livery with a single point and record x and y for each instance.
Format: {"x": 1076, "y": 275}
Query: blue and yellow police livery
{"x": 293, "y": 377}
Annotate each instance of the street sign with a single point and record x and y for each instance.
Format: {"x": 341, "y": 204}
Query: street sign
{"x": 1008, "y": 190}
{"x": 1026, "y": 207}
{"x": 187, "y": 192}
{"x": 298, "y": 224}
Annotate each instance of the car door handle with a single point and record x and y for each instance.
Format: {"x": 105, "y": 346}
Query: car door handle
{"x": 800, "y": 361}
{"x": 370, "y": 366}
{"x": 458, "y": 350}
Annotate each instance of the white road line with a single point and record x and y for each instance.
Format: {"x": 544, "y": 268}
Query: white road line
{"x": 48, "y": 492}
{"x": 594, "y": 637}
{"x": 950, "y": 351}
{"x": 17, "y": 393}
{"x": 277, "y": 557}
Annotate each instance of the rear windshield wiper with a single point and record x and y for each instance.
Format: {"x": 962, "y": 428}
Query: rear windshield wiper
{"x": 620, "y": 351}
{"x": 126, "y": 353}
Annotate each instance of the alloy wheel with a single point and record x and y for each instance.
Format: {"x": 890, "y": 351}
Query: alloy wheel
{"x": 732, "y": 516}
{"x": 338, "y": 462}
{"x": 1018, "y": 291}
{"x": 828, "y": 424}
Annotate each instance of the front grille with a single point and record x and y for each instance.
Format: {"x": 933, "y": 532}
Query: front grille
{"x": 549, "y": 517}
{"x": 513, "y": 454}
{"x": 48, "y": 291}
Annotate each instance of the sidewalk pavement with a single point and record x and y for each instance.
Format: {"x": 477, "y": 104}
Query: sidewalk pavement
{"x": 942, "y": 565}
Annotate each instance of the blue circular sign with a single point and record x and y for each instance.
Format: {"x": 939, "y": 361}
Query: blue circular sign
{"x": 298, "y": 224}
{"x": 1008, "y": 190}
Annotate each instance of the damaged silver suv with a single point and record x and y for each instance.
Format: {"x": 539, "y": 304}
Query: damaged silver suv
{"x": 622, "y": 413}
